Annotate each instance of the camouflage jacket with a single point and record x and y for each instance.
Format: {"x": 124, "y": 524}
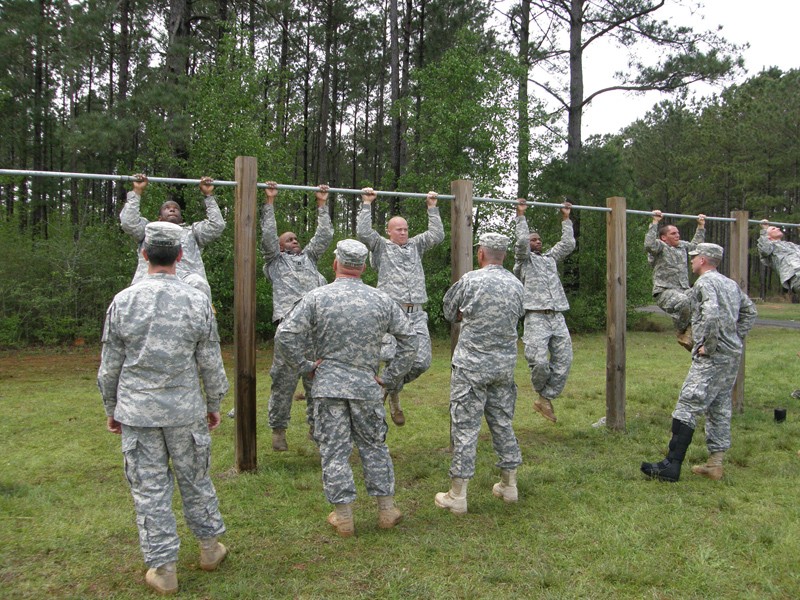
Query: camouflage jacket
{"x": 159, "y": 341}
{"x": 784, "y": 256}
{"x": 488, "y": 302}
{"x": 292, "y": 275}
{"x": 342, "y": 324}
{"x": 539, "y": 272}
{"x": 400, "y": 272}
{"x": 670, "y": 270}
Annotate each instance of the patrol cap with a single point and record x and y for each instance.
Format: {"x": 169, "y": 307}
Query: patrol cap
{"x": 351, "y": 253}
{"x": 494, "y": 241}
{"x": 162, "y": 233}
{"x": 709, "y": 250}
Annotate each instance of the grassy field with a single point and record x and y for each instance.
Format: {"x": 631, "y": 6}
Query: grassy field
{"x": 588, "y": 525}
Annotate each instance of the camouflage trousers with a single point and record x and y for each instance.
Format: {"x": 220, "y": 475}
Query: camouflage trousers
{"x": 147, "y": 453}
{"x": 707, "y": 390}
{"x": 675, "y": 303}
{"x": 284, "y": 383}
{"x": 474, "y": 395}
{"x": 339, "y": 422}
{"x": 547, "y": 334}
{"x": 794, "y": 283}
{"x": 422, "y": 361}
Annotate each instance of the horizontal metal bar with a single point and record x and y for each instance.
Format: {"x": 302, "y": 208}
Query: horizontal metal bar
{"x": 66, "y": 175}
{"x": 281, "y": 186}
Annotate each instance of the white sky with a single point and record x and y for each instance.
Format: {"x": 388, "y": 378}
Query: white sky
{"x": 770, "y": 26}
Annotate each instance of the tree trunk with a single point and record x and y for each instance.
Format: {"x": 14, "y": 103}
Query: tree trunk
{"x": 394, "y": 38}
{"x": 575, "y": 110}
{"x": 524, "y": 145}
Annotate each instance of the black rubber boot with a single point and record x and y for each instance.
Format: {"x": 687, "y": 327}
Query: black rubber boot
{"x": 669, "y": 469}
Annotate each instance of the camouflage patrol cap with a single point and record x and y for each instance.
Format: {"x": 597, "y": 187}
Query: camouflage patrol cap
{"x": 709, "y": 250}
{"x": 162, "y": 233}
{"x": 494, "y": 241}
{"x": 351, "y": 253}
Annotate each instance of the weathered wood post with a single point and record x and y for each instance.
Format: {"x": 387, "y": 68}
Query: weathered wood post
{"x": 616, "y": 294}
{"x": 244, "y": 309}
{"x": 737, "y": 257}
{"x": 460, "y": 239}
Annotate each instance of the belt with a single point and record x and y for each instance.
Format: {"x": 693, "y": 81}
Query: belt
{"x": 547, "y": 311}
{"x": 411, "y": 308}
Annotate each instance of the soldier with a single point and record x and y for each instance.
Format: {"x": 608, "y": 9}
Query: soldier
{"x": 293, "y": 272}
{"x": 666, "y": 254}
{"x": 545, "y": 301}
{"x": 195, "y": 237}
{"x": 342, "y": 324}
{"x": 781, "y": 255}
{"x": 721, "y": 317}
{"x": 398, "y": 261}
{"x": 159, "y": 341}
{"x": 489, "y": 304}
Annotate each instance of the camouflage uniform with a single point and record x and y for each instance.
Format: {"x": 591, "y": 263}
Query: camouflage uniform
{"x": 671, "y": 274}
{"x": 159, "y": 341}
{"x": 489, "y": 301}
{"x": 721, "y": 316}
{"x": 342, "y": 323}
{"x": 782, "y": 256}
{"x": 195, "y": 237}
{"x": 545, "y": 301}
{"x": 292, "y": 275}
{"x": 401, "y": 276}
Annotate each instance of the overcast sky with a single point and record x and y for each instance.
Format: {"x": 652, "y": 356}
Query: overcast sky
{"x": 770, "y": 26}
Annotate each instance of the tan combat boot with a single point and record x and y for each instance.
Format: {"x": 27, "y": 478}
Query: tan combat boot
{"x": 342, "y": 519}
{"x": 163, "y": 579}
{"x": 456, "y": 498}
{"x": 388, "y": 514}
{"x": 212, "y": 553}
{"x": 279, "y": 440}
{"x": 685, "y": 338}
{"x": 545, "y": 408}
{"x": 398, "y": 418}
{"x": 713, "y": 467}
{"x": 506, "y": 488}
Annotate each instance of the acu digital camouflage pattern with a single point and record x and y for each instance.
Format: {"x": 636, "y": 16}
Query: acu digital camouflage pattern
{"x": 671, "y": 274}
{"x": 400, "y": 274}
{"x": 160, "y": 340}
{"x": 342, "y": 324}
{"x": 195, "y": 237}
{"x": 721, "y": 316}
{"x": 292, "y": 275}
{"x": 548, "y": 346}
{"x": 147, "y": 452}
{"x": 782, "y": 256}
{"x": 489, "y": 301}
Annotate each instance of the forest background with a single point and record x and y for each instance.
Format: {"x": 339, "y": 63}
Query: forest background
{"x": 397, "y": 95}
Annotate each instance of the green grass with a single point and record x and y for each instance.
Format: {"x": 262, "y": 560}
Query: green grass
{"x": 779, "y": 310}
{"x": 588, "y": 525}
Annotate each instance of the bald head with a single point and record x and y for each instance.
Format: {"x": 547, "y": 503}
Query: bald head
{"x": 397, "y": 230}
{"x": 289, "y": 243}
{"x": 774, "y": 233}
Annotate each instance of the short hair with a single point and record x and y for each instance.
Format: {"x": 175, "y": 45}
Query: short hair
{"x": 162, "y": 256}
{"x": 494, "y": 255}
{"x": 662, "y": 229}
{"x": 714, "y": 262}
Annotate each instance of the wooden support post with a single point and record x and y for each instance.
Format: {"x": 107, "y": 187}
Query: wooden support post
{"x": 460, "y": 240}
{"x": 616, "y": 294}
{"x": 244, "y": 308}
{"x": 737, "y": 259}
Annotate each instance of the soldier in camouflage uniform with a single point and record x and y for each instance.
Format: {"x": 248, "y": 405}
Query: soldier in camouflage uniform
{"x": 545, "y": 301}
{"x": 398, "y": 261}
{"x": 666, "y": 254}
{"x": 343, "y": 323}
{"x": 159, "y": 341}
{"x": 293, "y": 272}
{"x": 195, "y": 237}
{"x": 721, "y": 317}
{"x": 489, "y": 304}
{"x": 781, "y": 255}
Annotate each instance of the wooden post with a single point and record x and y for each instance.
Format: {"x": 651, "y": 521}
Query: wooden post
{"x": 244, "y": 308}
{"x": 616, "y": 293}
{"x": 737, "y": 259}
{"x": 460, "y": 240}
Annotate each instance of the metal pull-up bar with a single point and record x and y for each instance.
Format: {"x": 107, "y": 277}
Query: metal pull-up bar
{"x": 351, "y": 191}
